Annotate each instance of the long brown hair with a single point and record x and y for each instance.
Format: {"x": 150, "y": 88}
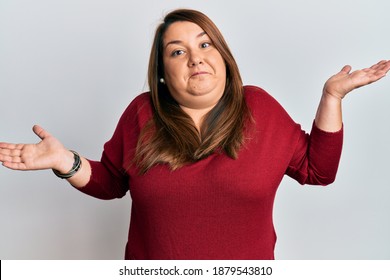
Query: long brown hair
{"x": 171, "y": 136}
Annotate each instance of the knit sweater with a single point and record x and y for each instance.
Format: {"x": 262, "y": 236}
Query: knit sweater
{"x": 218, "y": 207}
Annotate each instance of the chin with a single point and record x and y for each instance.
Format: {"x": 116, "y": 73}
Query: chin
{"x": 203, "y": 88}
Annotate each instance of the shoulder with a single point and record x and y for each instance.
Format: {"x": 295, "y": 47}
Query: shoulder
{"x": 141, "y": 104}
{"x": 266, "y": 110}
{"x": 250, "y": 89}
{"x": 257, "y": 98}
{"x": 141, "y": 101}
{"x": 139, "y": 110}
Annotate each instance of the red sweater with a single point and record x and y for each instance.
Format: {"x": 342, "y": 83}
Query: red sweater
{"x": 216, "y": 208}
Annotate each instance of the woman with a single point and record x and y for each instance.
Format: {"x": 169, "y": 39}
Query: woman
{"x": 201, "y": 154}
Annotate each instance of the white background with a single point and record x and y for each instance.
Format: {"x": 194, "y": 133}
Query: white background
{"x": 73, "y": 66}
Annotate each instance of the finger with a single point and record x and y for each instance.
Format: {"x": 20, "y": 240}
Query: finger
{"x": 380, "y": 70}
{"x": 346, "y": 69}
{"x": 11, "y": 146}
{"x": 379, "y": 65}
{"x": 382, "y": 62}
{"x": 14, "y": 166}
{"x": 382, "y": 66}
{"x": 4, "y": 145}
{"x": 385, "y": 66}
{"x": 10, "y": 152}
{"x": 40, "y": 132}
{"x": 10, "y": 159}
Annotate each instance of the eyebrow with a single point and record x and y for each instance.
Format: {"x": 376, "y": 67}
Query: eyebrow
{"x": 179, "y": 41}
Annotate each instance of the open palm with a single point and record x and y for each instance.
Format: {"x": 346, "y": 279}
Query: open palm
{"x": 43, "y": 155}
{"x": 345, "y": 81}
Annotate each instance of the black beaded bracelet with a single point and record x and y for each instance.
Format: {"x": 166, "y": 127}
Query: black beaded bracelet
{"x": 75, "y": 168}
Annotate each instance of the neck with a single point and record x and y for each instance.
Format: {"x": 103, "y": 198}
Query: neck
{"x": 197, "y": 115}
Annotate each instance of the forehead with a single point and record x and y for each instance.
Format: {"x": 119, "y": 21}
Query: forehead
{"x": 182, "y": 31}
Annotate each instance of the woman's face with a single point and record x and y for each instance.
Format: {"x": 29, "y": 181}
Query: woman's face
{"x": 195, "y": 72}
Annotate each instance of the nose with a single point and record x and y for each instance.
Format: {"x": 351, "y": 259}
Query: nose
{"x": 194, "y": 59}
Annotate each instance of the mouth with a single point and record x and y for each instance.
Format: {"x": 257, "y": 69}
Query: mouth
{"x": 199, "y": 73}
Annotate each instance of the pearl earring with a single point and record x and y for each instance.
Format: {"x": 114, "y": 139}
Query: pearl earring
{"x": 162, "y": 81}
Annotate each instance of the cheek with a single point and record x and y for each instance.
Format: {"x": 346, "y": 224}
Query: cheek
{"x": 174, "y": 78}
{"x": 173, "y": 70}
{"x": 221, "y": 70}
{"x": 219, "y": 65}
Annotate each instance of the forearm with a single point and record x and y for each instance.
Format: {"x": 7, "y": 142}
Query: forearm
{"x": 329, "y": 113}
{"x": 316, "y": 157}
{"x": 105, "y": 184}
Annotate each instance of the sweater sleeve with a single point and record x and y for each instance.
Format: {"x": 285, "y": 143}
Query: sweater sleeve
{"x": 109, "y": 178}
{"x": 316, "y": 157}
{"x": 106, "y": 181}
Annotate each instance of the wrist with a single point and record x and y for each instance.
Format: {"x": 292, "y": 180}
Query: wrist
{"x": 330, "y": 97}
{"x": 65, "y": 162}
{"x": 329, "y": 90}
{"x": 329, "y": 113}
{"x": 76, "y": 165}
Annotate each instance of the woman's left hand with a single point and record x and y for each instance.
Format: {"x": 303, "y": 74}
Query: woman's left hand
{"x": 345, "y": 81}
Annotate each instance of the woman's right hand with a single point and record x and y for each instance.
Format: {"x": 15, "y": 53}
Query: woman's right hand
{"x": 47, "y": 154}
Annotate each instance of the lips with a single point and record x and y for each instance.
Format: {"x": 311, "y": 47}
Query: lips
{"x": 198, "y": 73}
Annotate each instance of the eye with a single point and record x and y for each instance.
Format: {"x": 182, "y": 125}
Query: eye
{"x": 177, "y": 52}
{"x": 205, "y": 45}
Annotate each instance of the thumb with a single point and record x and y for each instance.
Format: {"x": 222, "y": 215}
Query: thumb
{"x": 40, "y": 132}
{"x": 346, "y": 69}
